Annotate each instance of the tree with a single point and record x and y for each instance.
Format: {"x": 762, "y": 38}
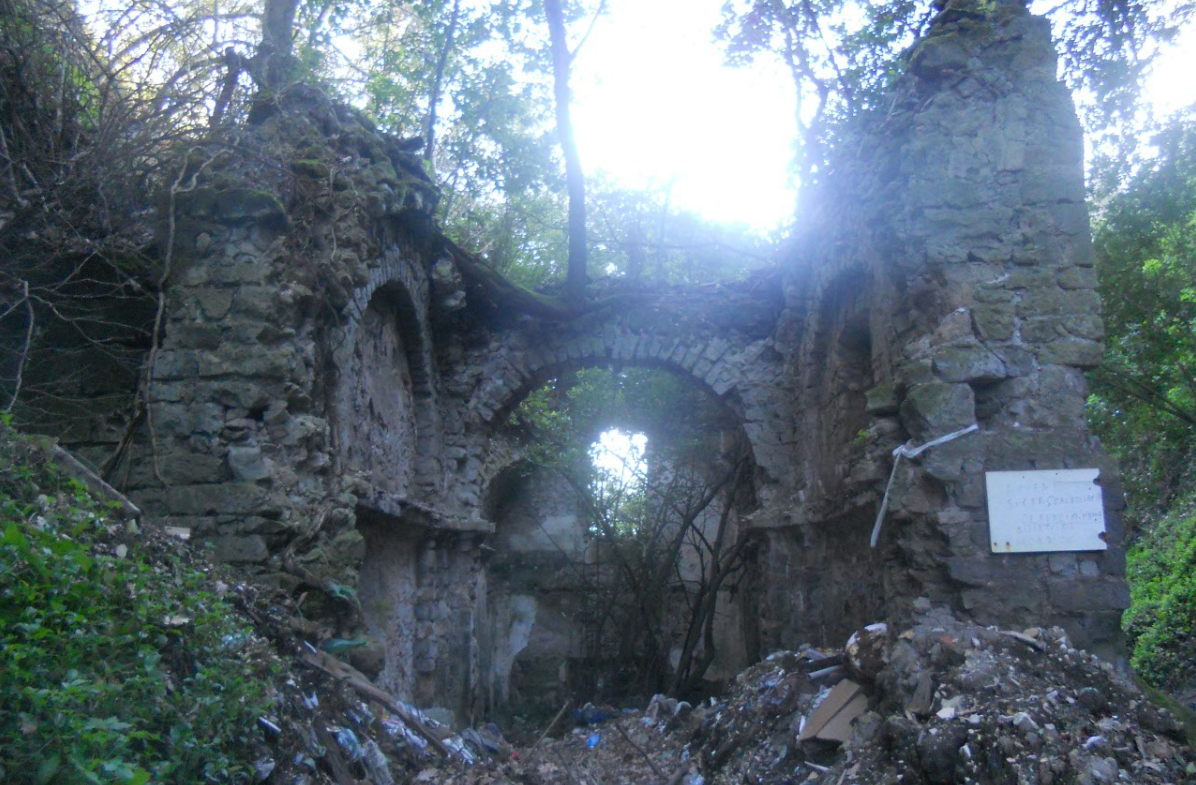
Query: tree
{"x": 562, "y": 63}
{"x": 1143, "y": 404}
{"x": 1146, "y": 250}
{"x": 843, "y": 55}
{"x": 664, "y": 524}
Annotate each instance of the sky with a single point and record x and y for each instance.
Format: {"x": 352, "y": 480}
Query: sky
{"x": 654, "y": 104}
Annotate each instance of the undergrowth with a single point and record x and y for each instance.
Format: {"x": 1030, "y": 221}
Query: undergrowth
{"x": 1161, "y": 623}
{"x": 121, "y": 662}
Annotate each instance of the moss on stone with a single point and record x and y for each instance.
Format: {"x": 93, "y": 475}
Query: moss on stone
{"x": 311, "y": 167}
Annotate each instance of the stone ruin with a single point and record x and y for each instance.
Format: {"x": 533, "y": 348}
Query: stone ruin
{"x": 329, "y": 403}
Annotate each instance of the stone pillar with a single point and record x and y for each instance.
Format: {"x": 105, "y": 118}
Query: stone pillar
{"x": 966, "y": 213}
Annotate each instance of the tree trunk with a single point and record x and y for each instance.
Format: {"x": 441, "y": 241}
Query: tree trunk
{"x": 438, "y": 82}
{"x": 278, "y": 43}
{"x": 575, "y": 282}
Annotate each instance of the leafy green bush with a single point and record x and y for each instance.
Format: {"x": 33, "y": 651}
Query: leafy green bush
{"x": 1161, "y": 623}
{"x": 119, "y": 665}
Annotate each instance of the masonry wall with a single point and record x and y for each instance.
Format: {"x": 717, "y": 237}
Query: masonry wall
{"x": 327, "y": 404}
{"x": 963, "y": 230}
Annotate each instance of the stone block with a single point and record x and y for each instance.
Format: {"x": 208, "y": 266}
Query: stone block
{"x": 176, "y": 364}
{"x": 1031, "y": 278}
{"x": 1042, "y": 329}
{"x": 1063, "y": 564}
{"x": 1078, "y": 595}
{"x": 1087, "y": 326}
{"x": 937, "y": 408}
{"x": 1076, "y": 352}
{"x": 185, "y": 420}
{"x": 723, "y": 385}
{"x": 973, "y": 570}
{"x": 198, "y": 335}
{"x": 1071, "y": 219}
{"x": 1018, "y": 360}
{"x": 624, "y": 348}
{"x": 1048, "y": 301}
{"x": 247, "y": 464}
{"x": 881, "y": 400}
{"x": 217, "y": 499}
{"x": 181, "y": 468}
{"x": 257, "y": 302}
{"x": 993, "y": 321}
{"x": 239, "y": 548}
{"x": 213, "y": 302}
{"x": 1077, "y": 278}
{"x": 968, "y": 364}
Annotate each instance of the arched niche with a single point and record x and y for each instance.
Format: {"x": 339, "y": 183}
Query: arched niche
{"x": 385, "y": 412}
{"x": 532, "y": 613}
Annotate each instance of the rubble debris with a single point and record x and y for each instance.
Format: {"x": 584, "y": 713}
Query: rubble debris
{"x": 942, "y": 702}
{"x": 832, "y": 719}
{"x": 865, "y": 650}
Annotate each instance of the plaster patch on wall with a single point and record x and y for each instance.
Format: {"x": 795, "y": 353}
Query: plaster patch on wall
{"x": 522, "y": 610}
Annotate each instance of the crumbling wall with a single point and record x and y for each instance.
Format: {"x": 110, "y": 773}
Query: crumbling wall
{"x": 535, "y": 591}
{"x": 960, "y": 218}
{"x": 326, "y": 403}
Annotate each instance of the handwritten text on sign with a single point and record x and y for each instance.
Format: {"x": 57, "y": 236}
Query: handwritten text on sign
{"x": 1045, "y": 511}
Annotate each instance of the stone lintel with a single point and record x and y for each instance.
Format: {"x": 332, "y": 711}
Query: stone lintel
{"x": 396, "y": 510}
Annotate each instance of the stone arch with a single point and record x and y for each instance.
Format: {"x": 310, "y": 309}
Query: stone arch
{"x": 538, "y": 642}
{"x": 387, "y": 415}
{"x": 840, "y": 373}
{"x": 745, "y": 375}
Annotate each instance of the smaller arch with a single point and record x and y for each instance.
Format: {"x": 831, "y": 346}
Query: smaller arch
{"x": 386, "y": 416}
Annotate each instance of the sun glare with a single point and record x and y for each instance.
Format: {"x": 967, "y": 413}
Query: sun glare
{"x": 655, "y": 104}
{"x": 620, "y": 455}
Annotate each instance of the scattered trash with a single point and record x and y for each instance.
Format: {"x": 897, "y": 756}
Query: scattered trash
{"x": 831, "y": 720}
{"x": 263, "y": 768}
{"x": 348, "y": 742}
{"x": 338, "y": 645}
{"x": 593, "y": 740}
{"x": 590, "y": 714}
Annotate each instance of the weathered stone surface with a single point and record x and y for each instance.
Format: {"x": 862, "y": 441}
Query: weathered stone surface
{"x": 1090, "y": 595}
{"x": 936, "y": 408}
{"x": 239, "y": 549}
{"x": 968, "y": 364}
{"x": 247, "y": 464}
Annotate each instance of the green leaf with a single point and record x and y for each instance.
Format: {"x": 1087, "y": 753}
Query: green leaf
{"x": 47, "y": 769}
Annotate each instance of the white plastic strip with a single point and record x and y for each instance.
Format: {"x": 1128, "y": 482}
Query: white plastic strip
{"x": 906, "y": 451}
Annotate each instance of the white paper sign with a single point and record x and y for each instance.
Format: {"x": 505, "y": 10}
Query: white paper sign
{"x": 1045, "y": 511}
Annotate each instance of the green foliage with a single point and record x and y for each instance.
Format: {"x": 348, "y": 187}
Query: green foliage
{"x": 1144, "y": 402}
{"x": 116, "y": 669}
{"x": 565, "y": 416}
{"x": 843, "y": 54}
{"x": 1161, "y": 623}
{"x": 1144, "y": 395}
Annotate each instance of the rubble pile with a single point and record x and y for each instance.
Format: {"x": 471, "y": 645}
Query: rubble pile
{"x": 944, "y": 702}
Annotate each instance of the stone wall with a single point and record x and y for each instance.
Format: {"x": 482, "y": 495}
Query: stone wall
{"x": 534, "y": 601}
{"x": 328, "y": 409}
{"x": 963, "y": 231}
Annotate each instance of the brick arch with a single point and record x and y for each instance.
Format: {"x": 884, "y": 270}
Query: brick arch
{"x": 398, "y": 286}
{"x": 740, "y": 370}
{"x": 705, "y": 362}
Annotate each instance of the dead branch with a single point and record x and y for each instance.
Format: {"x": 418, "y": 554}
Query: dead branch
{"x": 358, "y": 681}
